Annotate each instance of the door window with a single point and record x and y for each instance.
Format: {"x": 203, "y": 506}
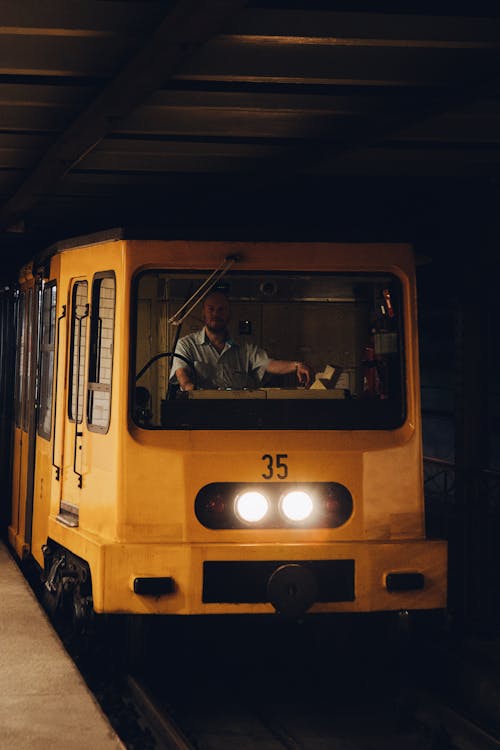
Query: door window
{"x": 101, "y": 352}
{"x": 79, "y": 317}
{"x": 47, "y": 359}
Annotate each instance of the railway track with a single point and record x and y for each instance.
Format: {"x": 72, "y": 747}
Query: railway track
{"x": 298, "y": 687}
{"x": 289, "y": 688}
{"x": 432, "y": 726}
{"x": 441, "y": 723}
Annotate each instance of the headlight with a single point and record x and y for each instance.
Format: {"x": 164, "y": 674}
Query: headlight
{"x": 296, "y": 505}
{"x": 251, "y": 506}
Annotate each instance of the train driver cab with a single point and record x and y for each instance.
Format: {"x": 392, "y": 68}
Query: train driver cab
{"x": 348, "y": 327}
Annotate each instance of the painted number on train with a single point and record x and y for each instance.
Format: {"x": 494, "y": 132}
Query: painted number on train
{"x": 276, "y": 466}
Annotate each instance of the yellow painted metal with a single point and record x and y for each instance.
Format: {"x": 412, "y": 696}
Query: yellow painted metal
{"x": 17, "y": 530}
{"x": 136, "y": 503}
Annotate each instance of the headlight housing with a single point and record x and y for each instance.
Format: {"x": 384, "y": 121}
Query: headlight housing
{"x": 273, "y": 505}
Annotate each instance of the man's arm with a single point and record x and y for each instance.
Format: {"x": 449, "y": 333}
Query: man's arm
{"x": 183, "y": 375}
{"x": 284, "y": 367}
{"x": 181, "y": 370}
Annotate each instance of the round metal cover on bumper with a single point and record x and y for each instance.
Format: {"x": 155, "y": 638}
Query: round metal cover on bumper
{"x": 292, "y": 589}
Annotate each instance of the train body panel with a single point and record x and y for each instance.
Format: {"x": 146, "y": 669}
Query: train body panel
{"x": 239, "y": 583}
{"x": 137, "y": 498}
{"x": 42, "y": 502}
{"x": 19, "y": 490}
{"x": 155, "y": 496}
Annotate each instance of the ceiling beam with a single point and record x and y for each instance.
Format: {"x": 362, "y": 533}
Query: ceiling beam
{"x": 185, "y": 28}
{"x": 292, "y": 163}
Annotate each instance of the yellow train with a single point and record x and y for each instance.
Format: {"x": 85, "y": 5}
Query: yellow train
{"x": 135, "y": 496}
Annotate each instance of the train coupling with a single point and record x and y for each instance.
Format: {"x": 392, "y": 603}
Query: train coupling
{"x": 292, "y": 589}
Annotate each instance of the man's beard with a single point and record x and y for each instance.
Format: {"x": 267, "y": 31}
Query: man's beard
{"x": 216, "y": 326}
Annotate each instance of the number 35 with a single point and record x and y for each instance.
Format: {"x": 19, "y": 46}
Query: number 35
{"x": 276, "y": 466}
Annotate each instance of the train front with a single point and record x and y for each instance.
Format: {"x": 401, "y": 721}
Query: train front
{"x": 269, "y": 495}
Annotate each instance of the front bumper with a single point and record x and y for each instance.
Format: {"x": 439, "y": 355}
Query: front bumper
{"x": 235, "y": 579}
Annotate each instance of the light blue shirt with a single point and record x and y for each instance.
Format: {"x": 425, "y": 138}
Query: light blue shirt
{"x": 239, "y": 365}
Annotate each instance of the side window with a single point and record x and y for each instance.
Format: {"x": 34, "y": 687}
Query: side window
{"x": 79, "y": 318}
{"x": 101, "y": 351}
{"x": 20, "y": 347}
{"x": 47, "y": 359}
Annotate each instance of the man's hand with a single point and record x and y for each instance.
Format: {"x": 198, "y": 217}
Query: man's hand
{"x": 305, "y": 375}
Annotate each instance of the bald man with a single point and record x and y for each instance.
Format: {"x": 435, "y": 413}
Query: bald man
{"x": 221, "y": 362}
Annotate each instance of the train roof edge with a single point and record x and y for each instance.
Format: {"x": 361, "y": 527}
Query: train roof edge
{"x": 133, "y": 232}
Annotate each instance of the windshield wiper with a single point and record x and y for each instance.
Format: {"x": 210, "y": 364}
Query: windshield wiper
{"x": 177, "y": 318}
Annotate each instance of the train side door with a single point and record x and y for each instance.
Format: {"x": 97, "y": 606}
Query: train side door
{"x": 24, "y": 429}
{"x": 7, "y": 379}
{"x": 17, "y": 443}
{"x": 74, "y": 403}
{"x": 46, "y": 412}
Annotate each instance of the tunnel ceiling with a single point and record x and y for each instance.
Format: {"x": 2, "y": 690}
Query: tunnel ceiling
{"x": 228, "y": 113}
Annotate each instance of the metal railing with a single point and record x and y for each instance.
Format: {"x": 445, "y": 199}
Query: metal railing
{"x": 463, "y": 507}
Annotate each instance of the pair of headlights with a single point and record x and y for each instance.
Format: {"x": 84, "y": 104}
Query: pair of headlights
{"x": 274, "y": 505}
{"x": 253, "y": 506}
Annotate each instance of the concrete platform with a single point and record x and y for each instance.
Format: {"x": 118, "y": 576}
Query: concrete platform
{"x": 44, "y": 701}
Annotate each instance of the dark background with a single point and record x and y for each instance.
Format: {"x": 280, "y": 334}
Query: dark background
{"x": 287, "y": 120}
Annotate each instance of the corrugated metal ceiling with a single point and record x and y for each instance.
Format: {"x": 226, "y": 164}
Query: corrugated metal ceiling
{"x": 112, "y": 109}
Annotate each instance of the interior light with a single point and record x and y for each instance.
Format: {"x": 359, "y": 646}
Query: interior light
{"x": 296, "y": 505}
{"x": 251, "y": 506}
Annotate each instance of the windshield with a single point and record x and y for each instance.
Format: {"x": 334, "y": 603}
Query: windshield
{"x": 287, "y": 350}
